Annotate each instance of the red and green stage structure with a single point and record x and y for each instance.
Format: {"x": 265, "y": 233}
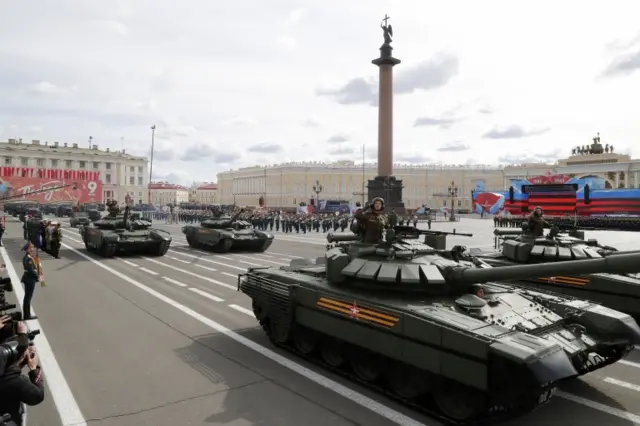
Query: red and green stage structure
{"x": 559, "y": 195}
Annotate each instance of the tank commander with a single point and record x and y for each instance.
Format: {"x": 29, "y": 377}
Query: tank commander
{"x": 536, "y": 223}
{"x": 372, "y": 222}
{"x": 112, "y": 207}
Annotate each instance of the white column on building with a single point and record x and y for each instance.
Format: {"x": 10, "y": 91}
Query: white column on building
{"x": 626, "y": 178}
{"x": 617, "y": 180}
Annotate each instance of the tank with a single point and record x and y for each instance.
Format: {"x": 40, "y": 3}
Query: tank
{"x": 447, "y": 336}
{"x": 222, "y": 234}
{"x": 620, "y": 291}
{"x": 117, "y": 232}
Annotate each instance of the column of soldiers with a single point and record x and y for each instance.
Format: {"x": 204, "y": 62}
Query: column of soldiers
{"x": 588, "y": 222}
{"x": 44, "y": 235}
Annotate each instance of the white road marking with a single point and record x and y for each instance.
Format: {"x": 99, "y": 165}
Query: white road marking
{"x": 211, "y": 261}
{"x": 628, "y": 363}
{"x": 178, "y": 260}
{"x": 193, "y": 274}
{"x": 264, "y": 255}
{"x": 243, "y": 310}
{"x": 205, "y": 294}
{"x": 238, "y": 260}
{"x": 599, "y": 407}
{"x": 622, "y": 384}
{"x": 261, "y": 260}
{"x": 319, "y": 379}
{"x": 148, "y": 271}
{"x": 65, "y": 403}
{"x": 135, "y": 265}
{"x": 284, "y": 255}
{"x": 73, "y": 239}
{"x": 229, "y": 274}
{"x": 176, "y": 282}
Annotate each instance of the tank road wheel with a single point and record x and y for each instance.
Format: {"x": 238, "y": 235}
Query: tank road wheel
{"x": 88, "y": 246}
{"x": 407, "y": 382}
{"x": 279, "y": 333}
{"x": 366, "y": 365}
{"x": 223, "y": 246}
{"x": 332, "y": 352}
{"x": 458, "y": 402}
{"x": 305, "y": 339}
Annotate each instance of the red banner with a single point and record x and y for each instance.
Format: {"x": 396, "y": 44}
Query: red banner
{"x": 44, "y": 190}
{"x": 549, "y": 179}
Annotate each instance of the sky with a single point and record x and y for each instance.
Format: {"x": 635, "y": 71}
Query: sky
{"x": 250, "y": 82}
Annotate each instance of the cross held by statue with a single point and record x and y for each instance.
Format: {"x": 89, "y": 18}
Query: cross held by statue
{"x": 386, "y": 18}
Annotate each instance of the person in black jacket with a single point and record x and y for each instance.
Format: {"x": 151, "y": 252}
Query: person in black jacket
{"x": 17, "y": 389}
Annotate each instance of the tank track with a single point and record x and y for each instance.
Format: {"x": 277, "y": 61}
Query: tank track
{"x": 428, "y": 410}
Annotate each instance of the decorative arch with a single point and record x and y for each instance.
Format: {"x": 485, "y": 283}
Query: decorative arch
{"x": 607, "y": 183}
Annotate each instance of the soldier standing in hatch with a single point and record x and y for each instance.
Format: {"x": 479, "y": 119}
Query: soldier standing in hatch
{"x": 535, "y": 223}
{"x": 373, "y": 222}
{"x": 56, "y": 241}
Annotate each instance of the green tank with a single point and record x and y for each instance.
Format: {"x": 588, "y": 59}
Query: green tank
{"x": 222, "y": 234}
{"x": 617, "y": 291}
{"x": 118, "y": 232}
{"x": 448, "y": 337}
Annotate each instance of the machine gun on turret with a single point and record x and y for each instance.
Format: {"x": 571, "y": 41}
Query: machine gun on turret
{"x": 435, "y": 239}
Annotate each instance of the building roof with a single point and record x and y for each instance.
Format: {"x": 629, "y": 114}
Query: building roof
{"x": 167, "y": 185}
{"x": 18, "y": 146}
{"x": 207, "y": 186}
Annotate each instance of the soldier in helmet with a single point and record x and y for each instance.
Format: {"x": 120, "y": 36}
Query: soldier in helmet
{"x": 372, "y": 222}
{"x": 112, "y": 207}
{"x": 535, "y": 223}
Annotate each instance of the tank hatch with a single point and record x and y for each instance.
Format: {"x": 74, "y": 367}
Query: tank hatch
{"x": 524, "y": 252}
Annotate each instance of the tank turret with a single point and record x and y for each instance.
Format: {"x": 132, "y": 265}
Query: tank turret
{"x": 411, "y": 265}
{"x": 225, "y": 222}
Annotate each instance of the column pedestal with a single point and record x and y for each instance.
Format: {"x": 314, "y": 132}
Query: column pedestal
{"x": 390, "y": 190}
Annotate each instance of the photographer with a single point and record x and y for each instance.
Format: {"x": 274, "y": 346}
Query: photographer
{"x": 15, "y": 388}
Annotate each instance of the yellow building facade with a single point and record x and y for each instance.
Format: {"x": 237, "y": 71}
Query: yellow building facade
{"x": 286, "y": 185}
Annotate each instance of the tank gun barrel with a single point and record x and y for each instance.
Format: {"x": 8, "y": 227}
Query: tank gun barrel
{"x": 341, "y": 238}
{"x": 620, "y": 253}
{"x": 235, "y": 216}
{"x": 402, "y": 229}
{"x": 503, "y": 232}
{"x": 621, "y": 264}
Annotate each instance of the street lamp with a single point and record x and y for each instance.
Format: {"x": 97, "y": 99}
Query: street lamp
{"x": 317, "y": 188}
{"x": 153, "y": 138}
{"x": 453, "y": 193}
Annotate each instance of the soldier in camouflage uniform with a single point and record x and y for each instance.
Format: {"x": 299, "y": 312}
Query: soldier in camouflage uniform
{"x": 373, "y": 222}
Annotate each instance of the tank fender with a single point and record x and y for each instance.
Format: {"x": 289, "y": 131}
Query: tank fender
{"x": 159, "y": 235}
{"x": 607, "y": 325}
{"x": 536, "y": 359}
{"x": 110, "y": 238}
{"x": 263, "y": 235}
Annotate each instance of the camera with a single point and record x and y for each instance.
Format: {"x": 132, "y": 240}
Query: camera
{"x": 10, "y": 349}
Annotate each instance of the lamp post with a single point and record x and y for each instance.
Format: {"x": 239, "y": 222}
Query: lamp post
{"x": 453, "y": 193}
{"x": 153, "y": 138}
{"x": 317, "y": 188}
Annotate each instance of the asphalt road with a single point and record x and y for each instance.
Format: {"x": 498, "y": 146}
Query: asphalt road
{"x": 169, "y": 341}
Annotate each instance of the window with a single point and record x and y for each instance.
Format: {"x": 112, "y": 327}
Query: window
{"x": 132, "y": 169}
{"x": 108, "y": 166}
{"x": 444, "y": 203}
{"x": 24, "y": 161}
{"x": 68, "y": 163}
{"x": 459, "y": 203}
{"x": 54, "y": 163}
{"x": 140, "y": 181}
{"x": 40, "y": 162}
{"x": 83, "y": 164}
{"x": 7, "y": 160}
{"x": 140, "y": 194}
{"x": 131, "y": 180}
{"x": 108, "y": 178}
{"x": 96, "y": 164}
{"x": 139, "y": 169}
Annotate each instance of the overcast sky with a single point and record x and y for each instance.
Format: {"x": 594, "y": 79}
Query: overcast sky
{"x": 237, "y": 83}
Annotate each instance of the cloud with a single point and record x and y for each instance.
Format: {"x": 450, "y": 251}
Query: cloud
{"x": 427, "y": 75}
{"x": 266, "y": 148}
{"x": 443, "y": 122}
{"x": 513, "y": 132}
{"x": 486, "y": 110}
{"x": 413, "y": 158}
{"x": 295, "y": 16}
{"x": 203, "y": 151}
{"x": 342, "y": 151}
{"x": 311, "y": 123}
{"x": 454, "y": 147}
{"x": 623, "y": 65}
{"x": 527, "y": 158}
{"x": 338, "y": 139}
{"x": 171, "y": 132}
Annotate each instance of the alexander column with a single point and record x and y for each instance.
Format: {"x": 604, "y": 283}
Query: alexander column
{"x": 386, "y": 185}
